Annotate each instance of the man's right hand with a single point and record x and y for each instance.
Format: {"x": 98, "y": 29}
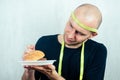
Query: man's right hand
{"x": 28, "y": 73}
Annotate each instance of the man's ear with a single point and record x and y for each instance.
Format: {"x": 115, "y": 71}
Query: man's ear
{"x": 93, "y": 34}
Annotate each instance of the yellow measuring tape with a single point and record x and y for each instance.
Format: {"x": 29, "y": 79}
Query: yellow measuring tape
{"x": 81, "y": 61}
{"x": 82, "y": 25}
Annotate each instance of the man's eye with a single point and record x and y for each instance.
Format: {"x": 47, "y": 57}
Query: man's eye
{"x": 80, "y": 33}
{"x": 71, "y": 26}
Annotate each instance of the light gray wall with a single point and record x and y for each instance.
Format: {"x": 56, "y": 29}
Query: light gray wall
{"x": 22, "y": 22}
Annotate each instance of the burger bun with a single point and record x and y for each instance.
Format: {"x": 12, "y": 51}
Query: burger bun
{"x": 34, "y": 55}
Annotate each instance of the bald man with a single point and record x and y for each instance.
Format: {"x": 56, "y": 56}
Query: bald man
{"x": 77, "y": 56}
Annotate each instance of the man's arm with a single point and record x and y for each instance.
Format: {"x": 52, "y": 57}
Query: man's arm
{"x": 28, "y": 75}
{"x": 49, "y": 71}
{"x": 96, "y": 68}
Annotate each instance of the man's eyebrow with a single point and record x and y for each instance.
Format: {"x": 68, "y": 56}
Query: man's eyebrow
{"x": 80, "y": 32}
{"x": 70, "y": 22}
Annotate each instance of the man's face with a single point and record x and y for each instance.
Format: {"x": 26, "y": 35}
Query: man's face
{"x": 74, "y": 34}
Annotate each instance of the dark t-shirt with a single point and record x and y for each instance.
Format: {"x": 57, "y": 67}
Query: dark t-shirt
{"x": 94, "y": 59}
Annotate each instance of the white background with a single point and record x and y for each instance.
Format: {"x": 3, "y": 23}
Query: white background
{"x": 22, "y": 22}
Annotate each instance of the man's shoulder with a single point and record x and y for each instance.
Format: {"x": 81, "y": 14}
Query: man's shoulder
{"x": 46, "y": 37}
{"x": 90, "y": 41}
{"x": 96, "y": 47}
{"x": 94, "y": 43}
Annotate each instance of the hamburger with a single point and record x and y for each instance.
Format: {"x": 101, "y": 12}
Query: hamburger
{"x": 33, "y": 55}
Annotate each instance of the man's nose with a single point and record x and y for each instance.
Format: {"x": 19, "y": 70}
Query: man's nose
{"x": 72, "y": 35}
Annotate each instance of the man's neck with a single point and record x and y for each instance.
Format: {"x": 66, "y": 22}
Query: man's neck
{"x": 60, "y": 39}
{"x": 73, "y": 46}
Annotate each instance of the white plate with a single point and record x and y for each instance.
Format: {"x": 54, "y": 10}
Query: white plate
{"x": 42, "y": 62}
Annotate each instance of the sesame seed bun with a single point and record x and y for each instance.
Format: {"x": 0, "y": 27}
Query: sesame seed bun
{"x": 34, "y": 55}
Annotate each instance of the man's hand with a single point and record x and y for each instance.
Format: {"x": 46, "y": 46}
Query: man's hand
{"x": 48, "y": 70}
{"x": 28, "y": 73}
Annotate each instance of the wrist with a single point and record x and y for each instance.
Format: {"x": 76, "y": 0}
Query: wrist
{"x": 28, "y": 75}
{"x": 56, "y": 76}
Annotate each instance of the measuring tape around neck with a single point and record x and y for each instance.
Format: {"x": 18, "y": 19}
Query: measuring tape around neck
{"x": 81, "y": 60}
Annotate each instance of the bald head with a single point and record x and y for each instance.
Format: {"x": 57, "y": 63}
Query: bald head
{"x": 89, "y": 15}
